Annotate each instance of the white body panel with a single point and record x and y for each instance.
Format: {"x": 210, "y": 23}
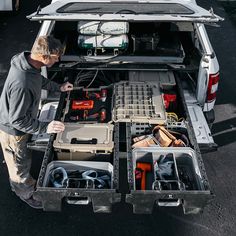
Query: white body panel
{"x": 5, "y": 5}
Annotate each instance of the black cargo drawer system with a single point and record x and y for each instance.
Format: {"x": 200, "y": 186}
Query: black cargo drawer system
{"x": 134, "y": 119}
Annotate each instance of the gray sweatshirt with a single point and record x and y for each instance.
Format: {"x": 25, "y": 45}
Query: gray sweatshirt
{"x": 20, "y": 97}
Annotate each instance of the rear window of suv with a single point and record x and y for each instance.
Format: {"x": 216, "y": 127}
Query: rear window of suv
{"x": 125, "y": 8}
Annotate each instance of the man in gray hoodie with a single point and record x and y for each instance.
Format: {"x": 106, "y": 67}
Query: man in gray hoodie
{"x": 19, "y": 105}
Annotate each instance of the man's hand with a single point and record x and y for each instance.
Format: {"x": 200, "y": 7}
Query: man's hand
{"x": 55, "y": 127}
{"x": 66, "y": 87}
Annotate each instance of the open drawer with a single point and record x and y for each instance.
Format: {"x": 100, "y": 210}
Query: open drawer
{"x": 166, "y": 177}
{"x": 79, "y": 182}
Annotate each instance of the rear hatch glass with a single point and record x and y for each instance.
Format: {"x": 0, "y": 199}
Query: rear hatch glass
{"x": 115, "y": 8}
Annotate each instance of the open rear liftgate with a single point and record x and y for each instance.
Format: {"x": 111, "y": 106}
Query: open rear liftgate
{"x": 94, "y": 142}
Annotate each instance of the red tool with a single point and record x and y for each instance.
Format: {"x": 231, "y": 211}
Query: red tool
{"x": 138, "y": 177}
{"x": 103, "y": 115}
{"x": 103, "y": 95}
{"x": 82, "y": 104}
{"x": 145, "y": 167}
{"x": 169, "y": 99}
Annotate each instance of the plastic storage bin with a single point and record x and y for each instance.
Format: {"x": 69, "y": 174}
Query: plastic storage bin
{"x": 139, "y": 102}
{"x": 81, "y": 166}
{"x": 181, "y": 164}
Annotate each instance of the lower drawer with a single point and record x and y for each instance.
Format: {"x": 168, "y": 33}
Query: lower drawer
{"x": 166, "y": 177}
{"x": 79, "y": 183}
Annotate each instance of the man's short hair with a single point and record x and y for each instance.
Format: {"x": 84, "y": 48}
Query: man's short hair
{"x": 47, "y": 45}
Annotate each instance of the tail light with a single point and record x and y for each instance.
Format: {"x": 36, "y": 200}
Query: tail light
{"x": 212, "y": 86}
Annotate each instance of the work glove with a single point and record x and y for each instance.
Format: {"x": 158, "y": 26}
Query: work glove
{"x": 66, "y": 87}
{"x": 55, "y": 127}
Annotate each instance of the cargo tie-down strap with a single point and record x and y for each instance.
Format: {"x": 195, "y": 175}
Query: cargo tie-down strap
{"x": 94, "y": 179}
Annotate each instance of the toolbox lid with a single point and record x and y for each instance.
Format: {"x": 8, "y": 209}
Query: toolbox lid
{"x": 85, "y": 137}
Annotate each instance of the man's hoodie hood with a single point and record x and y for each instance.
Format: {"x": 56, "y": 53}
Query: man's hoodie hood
{"x": 20, "y": 62}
